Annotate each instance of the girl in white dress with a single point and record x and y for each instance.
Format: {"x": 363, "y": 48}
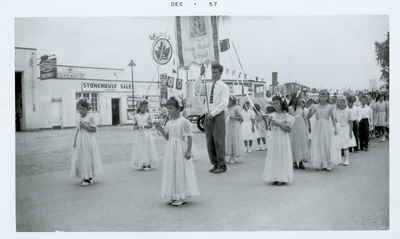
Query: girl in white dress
{"x": 261, "y": 129}
{"x": 279, "y": 162}
{"x": 380, "y": 119}
{"x": 345, "y": 129}
{"x": 86, "y": 161}
{"x": 185, "y": 113}
{"x": 233, "y": 132}
{"x": 248, "y": 127}
{"x": 178, "y": 178}
{"x": 299, "y": 133}
{"x": 144, "y": 154}
{"x": 322, "y": 133}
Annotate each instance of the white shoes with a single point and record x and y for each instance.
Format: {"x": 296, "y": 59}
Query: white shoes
{"x": 346, "y": 162}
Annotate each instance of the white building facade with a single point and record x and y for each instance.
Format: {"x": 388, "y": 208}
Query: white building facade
{"x": 44, "y": 103}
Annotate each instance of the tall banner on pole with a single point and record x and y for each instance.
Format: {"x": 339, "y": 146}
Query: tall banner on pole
{"x": 197, "y": 40}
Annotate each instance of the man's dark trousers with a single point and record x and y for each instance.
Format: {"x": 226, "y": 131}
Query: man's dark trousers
{"x": 356, "y": 135}
{"x": 215, "y": 135}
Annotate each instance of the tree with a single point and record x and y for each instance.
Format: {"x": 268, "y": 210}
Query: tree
{"x": 382, "y": 57}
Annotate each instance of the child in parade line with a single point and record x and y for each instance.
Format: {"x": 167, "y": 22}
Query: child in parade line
{"x": 261, "y": 128}
{"x": 322, "y": 134}
{"x": 355, "y": 118}
{"x": 233, "y": 132}
{"x": 248, "y": 127}
{"x": 144, "y": 151}
{"x": 371, "y": 102}
{"x": 185, "y": 113}
{"x": 279, "y": 161}
{"x": 380, "y": 118}
{"x": 365, "y": 123}
{"x": 387, "y": 114}
{"x": 86, "y": 161}
{"x": 268, "y": 110}
{"x": 345, "y": 129}
{"x": 309, "y": 104}
{"x": 299, "y": 133}
{"x": 178, "y": 177}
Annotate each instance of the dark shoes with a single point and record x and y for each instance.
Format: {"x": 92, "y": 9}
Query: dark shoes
{"x": 217, "y": 170}
{"x": 212, "y": 170}
{"x": 301, "y": 165}
{"x": 276, "y": 183}
{"x": 295, "y": 165}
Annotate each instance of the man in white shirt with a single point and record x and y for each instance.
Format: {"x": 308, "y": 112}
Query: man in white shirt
{"x": 214, "y": 123}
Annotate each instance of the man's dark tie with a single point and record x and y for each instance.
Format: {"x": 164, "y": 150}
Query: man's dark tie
{"x": 212, "y": 92}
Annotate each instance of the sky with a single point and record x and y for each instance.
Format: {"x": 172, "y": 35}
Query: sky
{"x": 317, "y": 51}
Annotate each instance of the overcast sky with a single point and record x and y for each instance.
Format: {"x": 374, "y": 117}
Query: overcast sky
{"x": 319, "y": 51}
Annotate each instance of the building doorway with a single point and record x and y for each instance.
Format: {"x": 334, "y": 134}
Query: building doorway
{"x": 115, "y": 111}
{"x": 18, "y": 101}
{"x": 56, "y": 104}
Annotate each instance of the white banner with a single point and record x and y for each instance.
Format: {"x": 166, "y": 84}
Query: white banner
{"x": 197, "y": 40}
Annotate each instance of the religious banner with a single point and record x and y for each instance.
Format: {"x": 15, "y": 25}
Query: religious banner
{"x": 170, "y": 82}
{"x": 163, "y": 89}
{"x": 197, "y": 40}
{"x": 178, "y": 84}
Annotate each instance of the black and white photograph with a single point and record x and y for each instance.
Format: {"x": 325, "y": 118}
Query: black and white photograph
{"x": 264, "y": 123}
{"x": 198, "y": 119}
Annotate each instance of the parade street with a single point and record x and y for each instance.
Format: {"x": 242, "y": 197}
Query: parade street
{"x": 355, "y": 197}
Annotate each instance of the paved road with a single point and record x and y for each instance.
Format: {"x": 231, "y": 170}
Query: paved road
{"x": 47, "y": 199}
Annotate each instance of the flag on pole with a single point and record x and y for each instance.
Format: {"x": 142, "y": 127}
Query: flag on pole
{"x": 224, "y": 44}
{"x": 197, "y": 39}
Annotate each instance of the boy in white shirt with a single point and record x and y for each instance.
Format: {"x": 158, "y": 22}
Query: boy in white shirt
{"x": 365, "y": 122}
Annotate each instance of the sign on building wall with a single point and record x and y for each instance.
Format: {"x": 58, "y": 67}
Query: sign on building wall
{"x": 105, "y": 86}
{"x": 48, "y": 67}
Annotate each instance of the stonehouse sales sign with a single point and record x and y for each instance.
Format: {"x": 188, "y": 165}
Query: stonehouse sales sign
{"x": 106, "y": 86}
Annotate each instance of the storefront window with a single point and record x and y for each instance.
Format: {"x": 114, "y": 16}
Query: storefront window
{"x": 92, "y": 98}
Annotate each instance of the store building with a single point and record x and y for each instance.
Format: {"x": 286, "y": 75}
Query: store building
{"x": 46, "y": 93}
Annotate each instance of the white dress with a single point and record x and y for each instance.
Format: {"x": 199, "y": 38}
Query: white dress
{"x": 86, "y": 161}
{"x": 143, "y": 149}
{"x": 234, "y": 146}
{"x": 279, "y": 161}
{"x": 247, "y": 133}
{"x": 324, "y": 149}
{"x": 342, "y": 124}
{"x": 299, "y": 136}
{"x": 179, "y": 178}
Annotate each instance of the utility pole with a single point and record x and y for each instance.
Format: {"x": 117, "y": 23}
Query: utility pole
{"x": 132, "y": 64}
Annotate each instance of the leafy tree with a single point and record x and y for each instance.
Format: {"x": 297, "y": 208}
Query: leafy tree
{"x": 382, "y": 57}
